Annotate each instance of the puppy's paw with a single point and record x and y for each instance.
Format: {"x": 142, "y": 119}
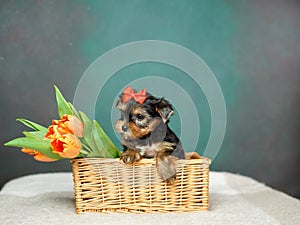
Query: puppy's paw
{"x": 131, "y": 156}
{"x": 166, "y": 167}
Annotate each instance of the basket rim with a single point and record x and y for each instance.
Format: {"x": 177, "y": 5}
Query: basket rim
{"x": 203, "y": 160}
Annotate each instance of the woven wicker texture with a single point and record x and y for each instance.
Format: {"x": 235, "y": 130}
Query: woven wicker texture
{"x": 107, "y": 185}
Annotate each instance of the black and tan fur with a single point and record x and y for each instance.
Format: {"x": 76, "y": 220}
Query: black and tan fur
{"x": 145, "y": 132}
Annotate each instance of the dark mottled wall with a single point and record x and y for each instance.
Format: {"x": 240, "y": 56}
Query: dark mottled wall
{"x": 251, "y": 46}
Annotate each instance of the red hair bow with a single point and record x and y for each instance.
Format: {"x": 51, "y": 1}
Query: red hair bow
{"x": 129, "y": 93}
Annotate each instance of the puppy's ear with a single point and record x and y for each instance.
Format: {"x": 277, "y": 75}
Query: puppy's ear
{"x": 120, "y": 105}
{"x": 118, "y": 101}
{"x": 165, "y": 110}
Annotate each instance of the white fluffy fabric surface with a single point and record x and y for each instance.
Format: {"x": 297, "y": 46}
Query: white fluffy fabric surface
{"x": 234, "y": 199}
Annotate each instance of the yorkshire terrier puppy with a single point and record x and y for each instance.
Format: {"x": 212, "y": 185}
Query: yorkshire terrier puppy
{"x": 145, "y": 131}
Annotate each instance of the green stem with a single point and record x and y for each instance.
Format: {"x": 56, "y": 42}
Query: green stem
{"x": 86, "y": 147}
{"x": 84, "y": 152}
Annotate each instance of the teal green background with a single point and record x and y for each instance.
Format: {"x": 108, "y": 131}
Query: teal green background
{"x": 251, "y": 46}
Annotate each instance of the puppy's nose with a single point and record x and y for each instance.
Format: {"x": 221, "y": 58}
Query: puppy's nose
{"x": 125, "y": 128}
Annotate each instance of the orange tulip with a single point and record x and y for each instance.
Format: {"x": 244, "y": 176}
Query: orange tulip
{"x": 68, "y": 124}
{"x": 71, "y": 124}
{"x": 66, "y": 146}
{"x": 53, "y": 131}
{"x": 37, "y": 155}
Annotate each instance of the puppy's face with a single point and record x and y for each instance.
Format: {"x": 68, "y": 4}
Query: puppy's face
{"x": 139, "y": 120}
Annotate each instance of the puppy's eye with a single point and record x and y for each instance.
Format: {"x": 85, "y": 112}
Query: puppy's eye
{"x": 140, "y": 117}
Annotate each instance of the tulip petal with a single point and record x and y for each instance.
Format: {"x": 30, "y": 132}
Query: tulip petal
{"x": 37, "y": 155}
{"x": 66, "y": 146}
{"x": 75, "y": 125}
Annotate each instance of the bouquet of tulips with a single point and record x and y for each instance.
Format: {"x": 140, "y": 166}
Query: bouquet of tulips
{"x": 73, "y": 135}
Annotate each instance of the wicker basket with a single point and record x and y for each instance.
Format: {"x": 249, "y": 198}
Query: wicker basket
{"x": 107, "y": 185}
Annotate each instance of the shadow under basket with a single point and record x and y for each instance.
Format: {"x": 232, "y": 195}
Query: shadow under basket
{"x": 108, "y": 185}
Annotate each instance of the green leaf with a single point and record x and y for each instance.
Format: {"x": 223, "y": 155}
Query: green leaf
{"x": 75, "y": 112}
{"x": 62, "y": 104}
{"x": 100, "y": 150}
{"x": 85, "y": 148}
{"x": 95, "y": 141}
{"x": 31, "y": 124}
{"x": 111, "y": 150}
{"x": 88, "y": 126}
{"x": 43, "y": 146}
{"x": 80, "y": 155}
{"x": 36, "y": 134}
